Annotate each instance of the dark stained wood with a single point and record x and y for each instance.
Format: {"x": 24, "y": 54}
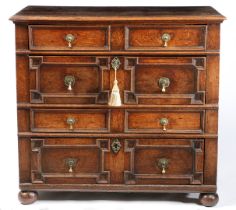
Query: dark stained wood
{"x": 133, "y": 34}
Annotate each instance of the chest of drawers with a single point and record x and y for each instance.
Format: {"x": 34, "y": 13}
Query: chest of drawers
{"x": 163, "y": 138}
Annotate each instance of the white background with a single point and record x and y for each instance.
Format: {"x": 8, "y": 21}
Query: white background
{"x": 86, "y": 201}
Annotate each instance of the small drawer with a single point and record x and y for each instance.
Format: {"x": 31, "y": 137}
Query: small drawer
{"x": 69, "y": 79}
{"x": 62, "y": 120}
{"x": 159, "y": 121}
{"x": 165, "y": 37}
{"x": 81, "y": 38}
{"x": 69, "y": 161}
{"x": 164, "y": 161}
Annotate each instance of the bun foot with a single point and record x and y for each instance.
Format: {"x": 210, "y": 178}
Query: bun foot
{"x": 27, "y": 197}
{"x": 209, "y": 199}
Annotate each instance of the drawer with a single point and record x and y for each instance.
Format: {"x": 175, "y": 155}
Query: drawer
{"x": 162, "y": 121}
{"x": 74, "y": 120}
{"x": 69, "y": 161}
{"x": 69, "y": 79}
{"x": 164, "y": 161}
{"x": 165, "y": 80}
{"x": 81, "y": 38}
{"x": 165, "y": 37}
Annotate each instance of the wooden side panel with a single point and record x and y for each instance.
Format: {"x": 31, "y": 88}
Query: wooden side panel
{"x": 212, "y": 83}
{"x": 22, "y": 78}
{"x": 23, "y": 120}
{"x": 24, "y": 160}
{"x": 211, "y": 121}
{"x": 210, "y": 164}
{"x": 213, "y": 37}
{"x": 22, "y": 40}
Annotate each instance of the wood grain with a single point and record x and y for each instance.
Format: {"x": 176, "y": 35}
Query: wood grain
{"x": 134, "y": 35}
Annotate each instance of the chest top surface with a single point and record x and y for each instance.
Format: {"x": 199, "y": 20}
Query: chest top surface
{"x": 74, "y": 14}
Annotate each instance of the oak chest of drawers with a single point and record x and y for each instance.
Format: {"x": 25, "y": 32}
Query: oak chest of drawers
{"x": 162, "y": 138}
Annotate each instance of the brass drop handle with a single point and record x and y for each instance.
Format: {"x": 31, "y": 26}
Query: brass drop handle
{"x": 71, "y": 162}
{"x": 69, "y": 81}
{"x": 164, "y": 82}
{"x": 70, "y": 121}
{"x": 116, "y": 146}
{"x": 163, "y": 164}
{"x": 165, "y": 38}
{"x": 69, "y": 38}
{"x": 164, "y": 122}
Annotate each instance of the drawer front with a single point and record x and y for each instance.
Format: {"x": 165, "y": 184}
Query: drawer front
{"x": 159, "y": 121}
{"x": 69, "y": 161}
{"x": 69, "y": 79}
{"x": 81, "y": 38}
{"x": 61, "y": 120}
{"x": 164, "y": 161}
{"x": 165, "y": 37}
{"x": 165, "y": 80}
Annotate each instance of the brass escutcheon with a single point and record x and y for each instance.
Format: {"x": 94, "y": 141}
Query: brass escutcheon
{"x": 115, "y": 145}
{"x": 115, "y": 63}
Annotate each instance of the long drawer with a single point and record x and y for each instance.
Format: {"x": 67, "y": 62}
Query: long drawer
{"x": 140, "y": 161}
{"x": 142, "y": 80}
